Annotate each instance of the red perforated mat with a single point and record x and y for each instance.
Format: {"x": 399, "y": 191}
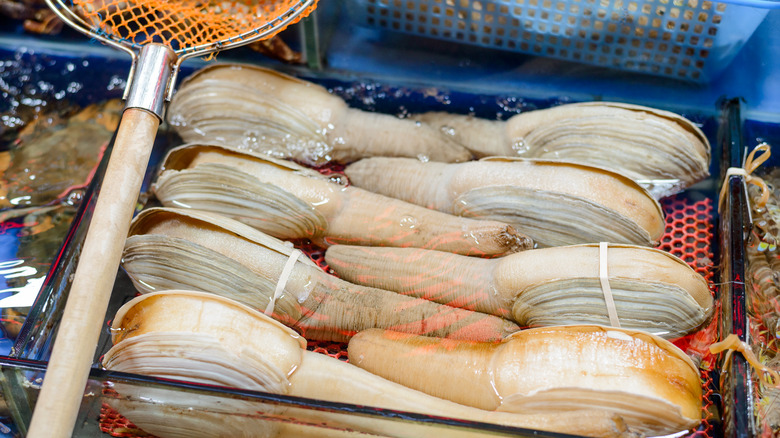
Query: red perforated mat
{"x": 689, "y": 235}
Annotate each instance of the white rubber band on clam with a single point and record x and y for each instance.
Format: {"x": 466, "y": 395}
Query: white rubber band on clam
{"x": 605, "y": 288}
{"x": 731, "y": 171}
{"x": 285, "y": 275}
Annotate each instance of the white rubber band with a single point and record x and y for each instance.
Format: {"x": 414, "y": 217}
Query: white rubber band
{"x": 285, "y": 275}
{"x": 731, "y": 171}
{"x": 604, "y": 279}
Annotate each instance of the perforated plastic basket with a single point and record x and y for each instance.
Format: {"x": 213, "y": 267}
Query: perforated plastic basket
{"x": 685, "y": 39}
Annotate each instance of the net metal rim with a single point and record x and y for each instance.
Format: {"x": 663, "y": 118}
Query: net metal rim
{"x": 64, "y": 11}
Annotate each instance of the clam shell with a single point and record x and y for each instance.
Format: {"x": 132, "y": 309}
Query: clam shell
{"x": 547, "y": 216}
{"x": 652, "y": 290}
{"x": 189, "y": 249}
{"x": 646, "y": 380}
{"x": 259, "y": 109}
{"x": 288, "y": 201}
{"x": 662, "y": 150}
{"x": 554, "y": 203}
{"x": 203, "y": 338}
{"x": 659, "y": 149}
{"x": 161, "y": 334}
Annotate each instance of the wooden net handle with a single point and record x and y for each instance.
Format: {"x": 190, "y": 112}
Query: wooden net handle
{"x": 81, "y": 324}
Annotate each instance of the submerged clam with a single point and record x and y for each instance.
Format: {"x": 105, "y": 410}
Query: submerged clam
{"x": 204, "y": 338}
{"x": 646, "y": 380}
{"x": 652, "y": 290}
{"x": 289, "y": 201}
{"x": 660, "y": 149}
{"x": 266, "y": 111}
{"x": 554, "y": 203}
{"x": 195, "y": 250}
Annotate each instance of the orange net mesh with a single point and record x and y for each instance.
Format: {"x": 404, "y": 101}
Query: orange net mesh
{"x": 181, "y": 24}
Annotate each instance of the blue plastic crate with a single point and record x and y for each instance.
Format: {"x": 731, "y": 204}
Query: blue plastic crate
{"x": 685, "y": 39}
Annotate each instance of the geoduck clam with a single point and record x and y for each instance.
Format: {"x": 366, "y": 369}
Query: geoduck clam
{"x": 554, "y": 203}
{"x": 205, "y": 338}
{"x": 289, "y": 201}
{"x": 651, "y": 289}
{"x": 662, "y": 150}
{"x": 273, "y": 113}
{"x": 646, "y": 380}
{"x": 202, "y": 251}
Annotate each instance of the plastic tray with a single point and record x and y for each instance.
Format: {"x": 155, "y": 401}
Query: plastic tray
{"x": 691, "y": 231}
{"x": 689, "y": 235}
{"x": 683, "y": 39}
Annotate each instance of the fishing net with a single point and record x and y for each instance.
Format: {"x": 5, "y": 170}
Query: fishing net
{"x": 181, "y": 24}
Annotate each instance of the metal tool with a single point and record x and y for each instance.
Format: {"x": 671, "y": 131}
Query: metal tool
{"x": 158, "y": 35}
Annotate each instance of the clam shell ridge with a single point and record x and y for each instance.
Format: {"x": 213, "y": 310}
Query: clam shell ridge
{"x": 646, "y": 380}
{"x": 160, "y": 334}
{"x": 189, "y": 249}
{"x": 543, "y": 195}
{"x": 291, "y": 202}
{"x": 652, "y": 289}
{"x": 201, "y": 337}
{"x": 225, "y": 104}
{"x": 662, "y": 150}
{"x": 266, "y": 111}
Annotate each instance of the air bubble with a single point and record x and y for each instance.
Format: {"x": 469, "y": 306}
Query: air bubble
{"x": 408, "y": 222}
{"x": 520, "y": 147}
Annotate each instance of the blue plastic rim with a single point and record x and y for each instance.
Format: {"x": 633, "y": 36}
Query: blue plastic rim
{"x": 684, "y": 39}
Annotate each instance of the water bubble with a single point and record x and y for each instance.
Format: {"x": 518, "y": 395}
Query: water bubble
{"x": 470, "y": 235}
{"x": 116, "y": 331}
{"x": 116, "y": 82}
{"x": 512, "y": 105}
{"x": 45, "y": 86}
{"x": 32, "y": 102}
{"x": 11, "y": 121}
{"x": 74, "y": 87}
{"x": 423, "y": 158}
{"x": 305, "y": 291}
{"x": 21, "y": 200}
{"x": 177, "y": 120}
{"x": 338, "y": 179}
{"x": 551, "y": 153}
{"x": 447, "y": 130}
{"x": 520, "y": 147}
{"x": 408, "y": 222}
{"x": 74, "y": 197}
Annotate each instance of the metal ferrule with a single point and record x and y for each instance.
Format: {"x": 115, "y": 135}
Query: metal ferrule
{"x": 151, "y": 79}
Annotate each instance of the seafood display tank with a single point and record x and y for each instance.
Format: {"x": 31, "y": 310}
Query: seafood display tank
{"x": 712, "y": 64}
